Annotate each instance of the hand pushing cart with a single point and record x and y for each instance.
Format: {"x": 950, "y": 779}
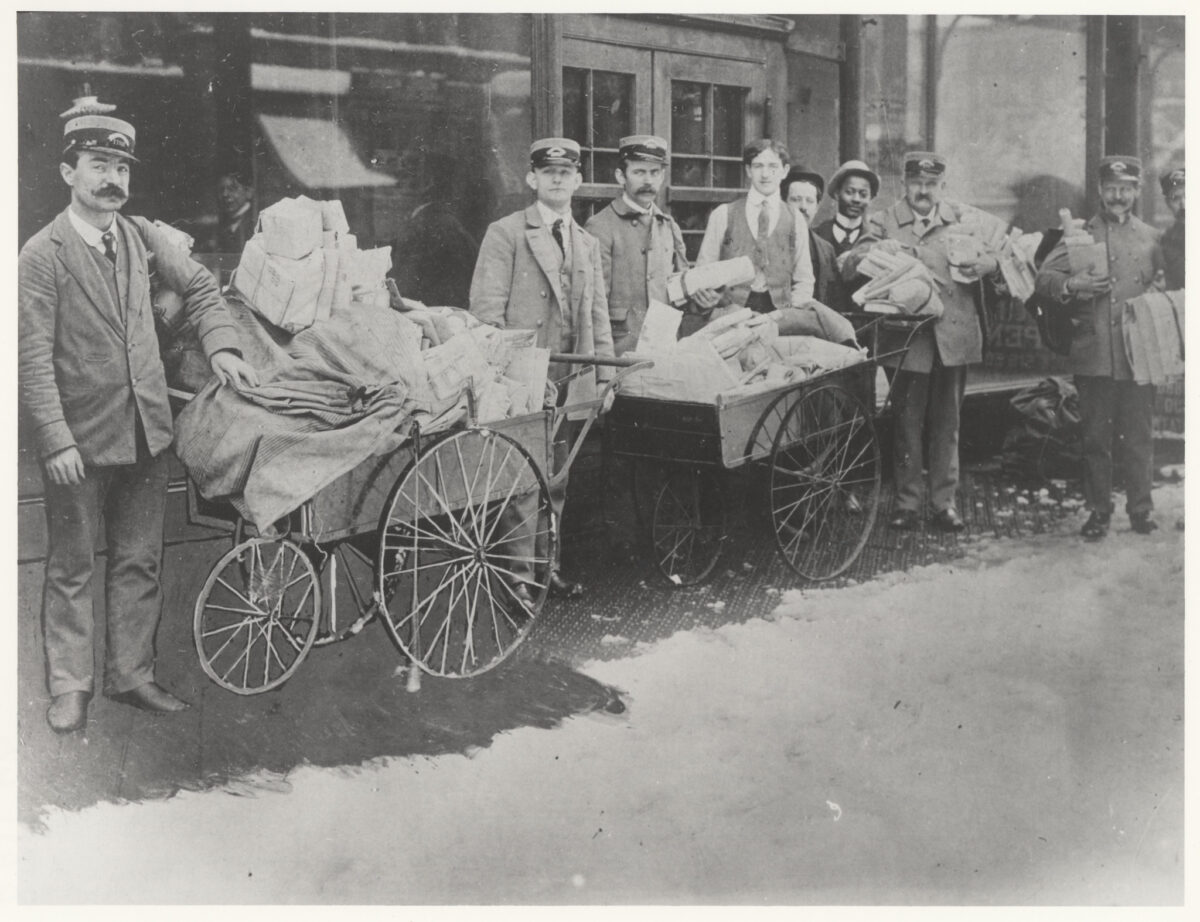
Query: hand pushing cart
{"x": 815, "y": 441}
{"x": 449, "y": 541}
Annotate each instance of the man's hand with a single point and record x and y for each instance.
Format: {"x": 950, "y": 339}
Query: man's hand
{"x": 233, "y": 370}
{"x": 706, "y": 298}
{"x": 980, "y": 267}
{"x": 1085, "y": 285}
{"x": 65, "y": 468}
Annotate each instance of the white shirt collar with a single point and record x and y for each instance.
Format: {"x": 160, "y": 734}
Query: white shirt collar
{"x": 549, "y": 215}
{"x": 756, "y": 199}
{"x": 91, "y": 234}
{"x": 847, "y": 223}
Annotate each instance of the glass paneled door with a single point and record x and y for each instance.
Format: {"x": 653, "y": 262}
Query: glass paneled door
{"x": 707, "y": 108}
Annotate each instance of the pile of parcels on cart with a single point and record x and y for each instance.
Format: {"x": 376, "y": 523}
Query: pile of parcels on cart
{"x": 303, "y": 267}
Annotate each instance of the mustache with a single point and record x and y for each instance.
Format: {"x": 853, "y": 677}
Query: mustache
{"x": 111, "y": 192}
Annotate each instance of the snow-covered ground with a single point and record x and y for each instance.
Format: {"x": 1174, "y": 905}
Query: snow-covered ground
{"x": 1004, "y": 729}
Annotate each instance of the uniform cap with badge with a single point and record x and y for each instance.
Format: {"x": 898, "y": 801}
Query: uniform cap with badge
{"x": 924, "y": 164}
{"x": 1120, "y": 168}
{"x": 1171, "y": 181}
{"x": 648, "y": 147}
{"x": 554, "y": 152}
{"x": 90, "y": 128}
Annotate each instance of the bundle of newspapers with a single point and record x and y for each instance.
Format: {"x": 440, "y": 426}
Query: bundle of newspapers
{"x": 739, "y": 354}
{"x": 303, "y": 260}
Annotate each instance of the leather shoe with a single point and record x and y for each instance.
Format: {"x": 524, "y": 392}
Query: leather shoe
{"x": 1142, "y": 523}
{"x": 564, "y": 588}
{"x": 947, "y": 520}
{"x": 68, "y": 712}
{"x": 906, "y": 520}
{"x": 1096, "y": 527}
{"x": 150, "y": 696}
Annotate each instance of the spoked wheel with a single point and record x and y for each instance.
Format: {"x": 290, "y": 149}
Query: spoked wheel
{"x": 465, "y": 549}
{"x": 689, "y": 524}
{"x": 824, "y": 482}
{"x": 256, "y": 617}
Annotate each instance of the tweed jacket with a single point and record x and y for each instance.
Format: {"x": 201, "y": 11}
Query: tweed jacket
{"x": 516, "y": 283}
{"x": 635, "y": 272}
{"x": 1134, "y": 256}
{"x": 88, "y": 367}
{"x": 956, "y": 337}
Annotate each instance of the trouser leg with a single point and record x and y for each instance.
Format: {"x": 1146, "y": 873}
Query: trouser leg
{"x": 947, "y": 387}
{"x": 1096, "y": 410}
{"x": 134, "y": 513}
{"x": 910, "y": 395}
{"x": 72, "y": 523}
{"x": 1134, "y": 427}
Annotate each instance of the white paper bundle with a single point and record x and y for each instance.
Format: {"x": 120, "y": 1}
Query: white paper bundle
{"x": 291, "y": 228}
{"x": 721, "y": 274}
{"x": 1153, "y": 331}
{"x": 283, "y": 291}
{"x": 455, "y": 364}
{"x": 660, "y": 329}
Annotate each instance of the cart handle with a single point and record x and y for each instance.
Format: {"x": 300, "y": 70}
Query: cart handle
{"x": 578, "y": 358}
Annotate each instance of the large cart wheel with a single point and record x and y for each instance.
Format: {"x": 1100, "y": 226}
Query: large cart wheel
{"x": 466, "y": 541}
{"x": 824, "y": 482}
{"x": 256, "y": 617}
{"x": 689, "y": 524}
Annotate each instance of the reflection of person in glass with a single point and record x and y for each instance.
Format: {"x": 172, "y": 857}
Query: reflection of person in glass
{"x": 640, "y": 245}
{"x": 802, "y": 189}
{"x": 539, "y": 270}
{"x": 236, "y": 214}
{"x": 1173, "y": 240}
{"x": 928, "y": 390}
{"x": 1110, "y": 402}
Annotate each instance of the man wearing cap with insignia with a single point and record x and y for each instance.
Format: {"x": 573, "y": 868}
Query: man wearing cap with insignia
{"x": 92, "y": 384}
{"x": 1110, "y": 402}
{"x": 801, "y": 189}
{"x": 640, "y": 245}
{"x": 1173, "y": 247}
{"x": 928, "y": 387}
{"x": 539, "y": 270}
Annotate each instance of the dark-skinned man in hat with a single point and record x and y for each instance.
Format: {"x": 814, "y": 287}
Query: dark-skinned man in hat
{"x": 539, "y": 270}
{"x": 641, "y": 246}
{"x": 93, "y": 387}
{"x": 1111, "y": 403}
{"x": 852, "y": 189}
{"x": 930, "y": 381}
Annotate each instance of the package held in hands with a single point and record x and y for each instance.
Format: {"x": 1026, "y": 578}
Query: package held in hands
{"x": 726, "y": 272}
{"x": 282, "y": 291}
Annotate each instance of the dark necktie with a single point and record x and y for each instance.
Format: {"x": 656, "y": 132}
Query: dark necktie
{"x": 760, "y": 242}
{"x": 556, "y": 231}
{"x": 110, "y": 246}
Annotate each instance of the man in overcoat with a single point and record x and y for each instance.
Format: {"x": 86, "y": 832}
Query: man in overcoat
{"x": 928, "y": 388}
{"x": 801, "y": 189}
{"x": 1174, "y": 247}
{"x": 93, "y": 387}
{"x": 1110, "y": 402}
{"x": 641, "y": 246}
{"x": 539, "y": 270}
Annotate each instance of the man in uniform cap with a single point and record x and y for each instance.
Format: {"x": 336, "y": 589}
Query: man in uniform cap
{"x": 93, "y": 386}
{"x": 1109, "y": 400}
{"x": 1173, "y": 247}
{"x": 539, "y": 270}
{"x": 640, "y": 245}
{"x": 852, "y": 188}
{"x": 802, "y": 190}
{"x": 928, "y": 388}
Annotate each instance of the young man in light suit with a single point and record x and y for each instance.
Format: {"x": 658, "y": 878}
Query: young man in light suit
{"x": 93, "y": 386}
{"x": 539, "y": 270}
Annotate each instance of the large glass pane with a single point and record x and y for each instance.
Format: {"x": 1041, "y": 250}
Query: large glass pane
{"x": 612, "y": 107}
{"x": 575, "y": 114}
{"x": 689, "y": 117}
{"x": 689, "y": 171}
{"x": 729, "y": 120}
{"x": 728, "y": 174}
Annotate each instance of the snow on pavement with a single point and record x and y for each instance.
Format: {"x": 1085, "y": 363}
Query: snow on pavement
{"x": 1003, "y": 729}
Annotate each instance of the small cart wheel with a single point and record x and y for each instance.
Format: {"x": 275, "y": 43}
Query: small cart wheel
{"x": 256, "y": 617}
{"x": 689, "y": 524}
{"x": 824, "y": 482}
{"x": 347, "y": 570}
{"x": 466, "y": 541}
